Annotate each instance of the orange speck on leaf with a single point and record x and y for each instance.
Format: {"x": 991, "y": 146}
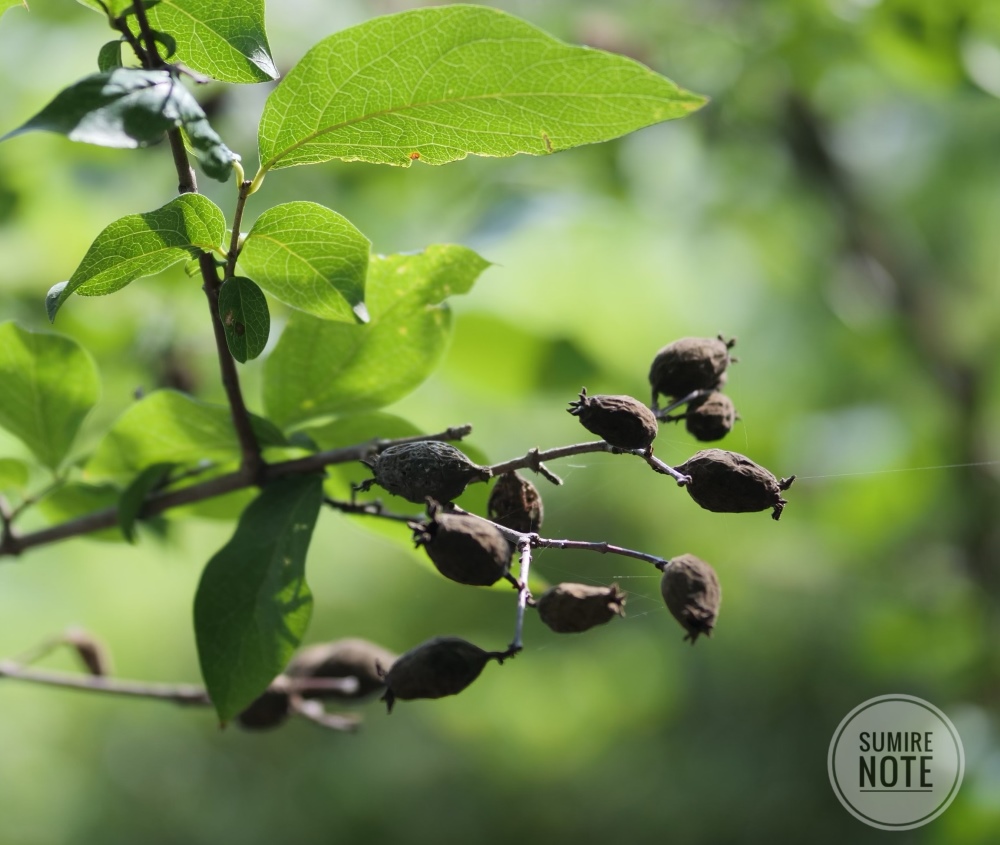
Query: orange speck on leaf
{"x": 414, "y": 155}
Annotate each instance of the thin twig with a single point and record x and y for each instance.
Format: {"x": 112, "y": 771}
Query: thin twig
{"x": 523, "y": 594}
{"x": 234, "y": 243}
{"x": 368, "y": 509}
{"x": 313, "y": 710}
{"x": 533, "y": 459}
{"x": 12, "y": 544}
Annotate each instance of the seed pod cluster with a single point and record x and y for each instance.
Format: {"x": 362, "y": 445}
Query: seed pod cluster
{"x": 425, "y": 469}
{"x": 516, "y": 504}
{"x": 464, "y": 548}
{"x": 692, "y": 371}
{"x": 352, "y": 658}
{"x": 621, "y": 420}
{"x": 439, "y": 667}
{"x": 691, "y": 591}
{"x": 727, "y": 482}
{"x": 689, "y": 364}
{"x": 571, "y": 608}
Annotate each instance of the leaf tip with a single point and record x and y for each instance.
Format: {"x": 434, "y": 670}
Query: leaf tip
{"x": 53, "y": 299}
{"x": 361, "y": 312}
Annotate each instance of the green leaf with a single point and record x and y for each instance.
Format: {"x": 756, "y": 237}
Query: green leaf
{"x": 14, "y": 474}
{"x": 141, "y": 245}
{"x": 114, "y": 8}
{"x": 440, "y": 83}
{"x": 110, "y": 56}
{"x": 245, "y": 317}
{"x": 134, "y": 496}
{"x": 170, "y": 427}
{"x": 79, "y": 499}
{"x": 321, "y": 368}
{"x": 220, "y": 38}
{"x": 10, "y": 4}
{"x": 253, "y": 605}
{"x": 48, "y": 384}
{"x": 128, "y": 108}
{"x": 311, "y": 258}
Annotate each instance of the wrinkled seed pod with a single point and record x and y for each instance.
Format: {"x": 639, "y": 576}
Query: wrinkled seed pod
{"x": 727, "y": 482}
{"x": 465, "y": 548}
{"x": 428, "y": 468}
{"x": 621, "y": 420}
{"x": 515, "y": 503}
{"x": 689, "y": 364}
{"x": 348, "y": 658}
{"x": 571, "y": 608}
{"x": 711, "y": 417}
{"x": 439, "y": 667}
{"x": 268, "y": 711}
{"x": 691, "y": 591}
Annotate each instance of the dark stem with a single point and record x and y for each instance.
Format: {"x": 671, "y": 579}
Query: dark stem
{"x": 13, "y": 544}
{"x": 234, "y": 243}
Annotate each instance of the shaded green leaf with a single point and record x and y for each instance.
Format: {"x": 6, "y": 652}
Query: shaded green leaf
{"x": 134, "y": 496}
{"x": 321, "y": 368}
{"x": 129, "y": 108}
{"x": 77, "y": 499}
{"x": 222, "y": 39}
{"x": 438, "y": 84}
{"x": 311, "y": 258}
{"x": 141, "y": 245}
{"x": 14, "y": 474}
{"x": 171, "y": 427}
{"x": 110, "y": 56}
{"x": 253, "y": 605}
{"x": 245, "y": 317}
{"x": 48, "y": 384}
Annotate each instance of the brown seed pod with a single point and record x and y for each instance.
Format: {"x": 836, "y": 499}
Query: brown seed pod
{"x": 268, "y": 711}
{"x": 464, "y": 548}
{"x": 426, "y": 469}
{"x": 353, "y": 657}
{"x": 727, "y": 482}
{"x": 516, "y": 504}
{"x": 571, "y": 608}
{"x": 689, "y": 364}
{"x": 710, "y": 417}
{"x": 692, "y": 594}
{"x": 439, "y": 667}
{"x": 621, "y": 420}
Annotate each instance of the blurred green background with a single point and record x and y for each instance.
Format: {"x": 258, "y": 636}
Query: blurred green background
{"x": 836, "y": 207}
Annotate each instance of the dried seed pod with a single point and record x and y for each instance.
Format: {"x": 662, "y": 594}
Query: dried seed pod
{"x": 727, "y": 482}
{"x": 464, "y": 548}
{"x": 351, "y": 658}
{"x": 621, "y": 420}
{"x": 439, "y": 667}
{"x": 570, "y": 608}
{"x": 267, "y": 711}
{"x": 692, "y": 594}
{"x": 710, "y": 417}
{"x": 516, "y": 504}
{"x": 689, "y": 364}
{"x": 426, "y": 469}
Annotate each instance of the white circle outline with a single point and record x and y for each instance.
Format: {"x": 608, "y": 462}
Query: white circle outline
{"x": 912, "y": 699}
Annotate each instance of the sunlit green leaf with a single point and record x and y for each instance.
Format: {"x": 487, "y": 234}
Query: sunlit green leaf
{"x": 48, "y": 383}
{"x": 220, "y": 38}
{"x": 311, "y": 258}
{"x": 128, "y": 108}
{"x": 438, "y": 84}
{"x": 253, "y": 605}
{"x": 10, "y": 4}
{"x": 320, "y": 368}
{"x": 134, "y": 496}
{"x": 245, "y": 317}
{"x": 110, "y": 56}
{"x": 114, "y": 8}
{"x": 141, "y": 245}
{"x": 14, "y": 474}
{"x": 171, "y": 427}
